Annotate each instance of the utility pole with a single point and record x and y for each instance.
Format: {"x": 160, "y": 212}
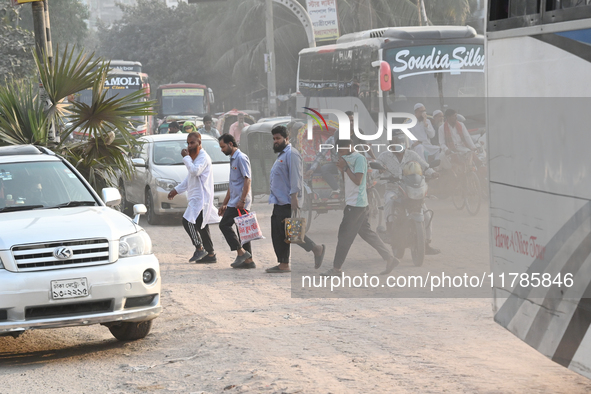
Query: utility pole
{"x": 44, "y": 51}
{"x": 271, "y": 93}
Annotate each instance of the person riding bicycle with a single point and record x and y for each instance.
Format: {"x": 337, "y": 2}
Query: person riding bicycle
{"x": 394, "y": 162}
{"x": 454, "y": 137}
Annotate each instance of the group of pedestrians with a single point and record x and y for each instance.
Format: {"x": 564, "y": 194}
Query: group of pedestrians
{"x": 286, "y": 189}
{"x": 285, "y": 193}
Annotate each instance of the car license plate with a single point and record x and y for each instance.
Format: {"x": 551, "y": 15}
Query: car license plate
{"x": 69, "y": 288}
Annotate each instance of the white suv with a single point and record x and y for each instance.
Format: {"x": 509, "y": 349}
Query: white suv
{"x": 66, "y": 258}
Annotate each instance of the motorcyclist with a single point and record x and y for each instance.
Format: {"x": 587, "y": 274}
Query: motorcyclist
{"x": 393, "y": 162}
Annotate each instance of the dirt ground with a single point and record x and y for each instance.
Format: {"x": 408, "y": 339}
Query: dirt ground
{"x": 230, "y": 331}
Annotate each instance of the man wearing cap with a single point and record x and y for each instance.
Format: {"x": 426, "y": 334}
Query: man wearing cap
{"x": 207, "y": 128}
{"x": 424, "y": 131}
{"x": 437, "y": 121}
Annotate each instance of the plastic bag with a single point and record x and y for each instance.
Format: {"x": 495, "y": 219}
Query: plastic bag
{"x": 248, "y": 227}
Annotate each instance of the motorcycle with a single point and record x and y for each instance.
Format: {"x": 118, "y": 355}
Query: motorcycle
{"x": 405, "y": 214}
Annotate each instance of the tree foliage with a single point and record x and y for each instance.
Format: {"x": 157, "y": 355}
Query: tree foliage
{"x": 16, "y": 46}
{"x": 106, "y": 121}
{"x": 166, "y": 41}
{"x": 223, "y": 44}
{"x": 66, "y": 19}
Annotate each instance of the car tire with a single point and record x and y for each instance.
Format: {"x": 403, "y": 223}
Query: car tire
{"x": 124, "y": 206}
{"x": 131, "y": 331}
{"x": 151, "y": 215}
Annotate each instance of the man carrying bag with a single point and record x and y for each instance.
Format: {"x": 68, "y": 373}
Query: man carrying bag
{"x": 286, "y": 185}
{"x": 238, "y": 198}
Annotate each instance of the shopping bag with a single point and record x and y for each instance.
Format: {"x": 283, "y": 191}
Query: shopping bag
{"x": 295, "y": 229}
{"x": 248, "y": 227}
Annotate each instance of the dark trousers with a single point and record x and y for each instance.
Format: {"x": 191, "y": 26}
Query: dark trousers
{"x": 282, "y": 248}
{"x": 199, "y": 236}
{"x": 227, "y": 228}
{"x": 355, "y": 221}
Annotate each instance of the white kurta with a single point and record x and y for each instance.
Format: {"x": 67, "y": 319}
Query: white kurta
{"x": 199, "y": 187}
{"x": 424, "y": 134}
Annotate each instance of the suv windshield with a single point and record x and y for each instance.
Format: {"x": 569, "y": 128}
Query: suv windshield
{"x": 169, "y": 152}
{"x": 44, "y": 184}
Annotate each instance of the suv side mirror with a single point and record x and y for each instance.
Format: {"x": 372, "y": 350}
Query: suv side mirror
{"x": 111, "y": 196}
{"x": 138, "y": 162}
{"x": 138, "y": 209}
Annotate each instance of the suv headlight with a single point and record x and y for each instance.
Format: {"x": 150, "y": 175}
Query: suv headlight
{"x": 166, "y": 184}
{"x": 1, "y": 265}
{"x": 135, "y": 244}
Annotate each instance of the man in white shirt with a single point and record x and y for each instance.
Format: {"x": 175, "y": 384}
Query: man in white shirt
{"x": 453, "y": 135}
{"x": 200, "y": 209}
{"x": 424, "y": 131}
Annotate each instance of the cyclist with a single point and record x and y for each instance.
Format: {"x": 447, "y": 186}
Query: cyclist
{"x": 453, "y": 136}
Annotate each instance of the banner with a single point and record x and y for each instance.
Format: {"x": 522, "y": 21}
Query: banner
{"x": 323, "y": 14}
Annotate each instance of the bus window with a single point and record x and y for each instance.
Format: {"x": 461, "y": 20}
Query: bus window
{"x": 499, "y": 9}
{"x": 305, "y": 75}
{"x": 345, "y": 72}
{"x": 524, "y": 7}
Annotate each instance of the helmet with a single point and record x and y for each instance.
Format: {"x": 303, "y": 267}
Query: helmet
{"x": 400, "y": 139}
{"x": 412, "y": 168}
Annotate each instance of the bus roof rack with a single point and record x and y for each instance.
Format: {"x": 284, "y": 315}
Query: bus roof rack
{"x": 412, "y": 33}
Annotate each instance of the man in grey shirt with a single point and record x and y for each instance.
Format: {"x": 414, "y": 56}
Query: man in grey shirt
{"x": 207, "y": 127}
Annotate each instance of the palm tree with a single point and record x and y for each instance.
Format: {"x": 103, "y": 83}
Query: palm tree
{"x": 106, "y": 121}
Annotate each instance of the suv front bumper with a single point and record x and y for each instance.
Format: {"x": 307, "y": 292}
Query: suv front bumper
{"x": 26, "y": 298}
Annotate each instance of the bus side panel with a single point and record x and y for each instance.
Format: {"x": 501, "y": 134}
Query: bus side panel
{"x": 530, "y": 67}
{"x": 540, "y": 209}
{"x": 546, "y": 236}
{"x": 537, "y": 137}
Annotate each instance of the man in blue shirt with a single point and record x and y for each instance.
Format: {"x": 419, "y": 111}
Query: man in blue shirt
{"x": 238, "y": 197}
{"x": 286, "y": 185}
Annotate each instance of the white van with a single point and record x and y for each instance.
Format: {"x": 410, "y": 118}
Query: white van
{"x": 66, "y": 258}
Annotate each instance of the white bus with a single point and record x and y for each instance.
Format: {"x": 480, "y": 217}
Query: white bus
{"x": 538, "y": 78}
{"x": 439, "y": 66}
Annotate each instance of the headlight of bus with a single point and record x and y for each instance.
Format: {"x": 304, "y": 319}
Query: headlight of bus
{"x": 166, "y": 184}
{"x": 135, "y": 245}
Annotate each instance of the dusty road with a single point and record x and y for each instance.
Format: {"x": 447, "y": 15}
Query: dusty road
{"x": 230, "y": 331}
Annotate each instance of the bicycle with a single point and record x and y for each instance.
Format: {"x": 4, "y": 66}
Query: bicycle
{"x": 467, "y": 190}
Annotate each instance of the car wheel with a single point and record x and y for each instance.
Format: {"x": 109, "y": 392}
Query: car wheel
{"x": 151, "y": 215}
{"x": 131, "y": 331}
{"x": 124, "y": 206}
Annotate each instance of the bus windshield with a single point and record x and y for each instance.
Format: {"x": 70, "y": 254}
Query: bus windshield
{"x": 183, "y": 101}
